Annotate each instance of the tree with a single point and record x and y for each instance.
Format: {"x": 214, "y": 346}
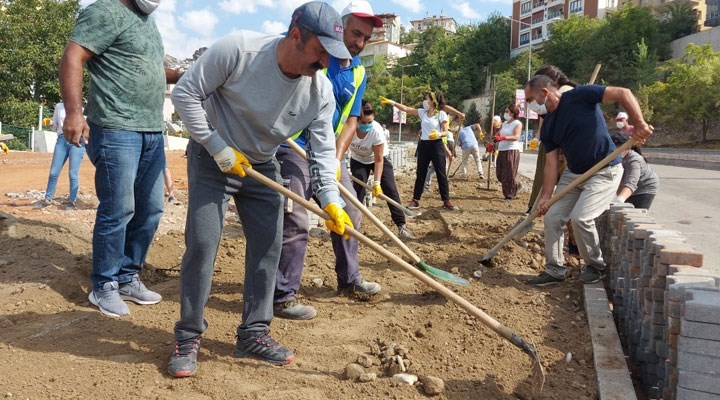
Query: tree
{"x": 472, "y": 116}
{"x": 690, "y": 92}
{"x": 615, "y": 41}
{"x": 683, "y": 21}
{"x": 34, "y": 34}
{"x": 570, "y": 43}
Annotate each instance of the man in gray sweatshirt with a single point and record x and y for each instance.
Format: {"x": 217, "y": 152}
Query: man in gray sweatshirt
{"x": 256, "y": 91}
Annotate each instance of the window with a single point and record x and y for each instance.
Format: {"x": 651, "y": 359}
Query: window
{"x": 524, "y": 38}
{"x": 525, "y": 7}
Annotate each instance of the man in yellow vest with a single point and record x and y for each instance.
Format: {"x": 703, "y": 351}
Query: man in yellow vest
{"x": 348, "y": 81}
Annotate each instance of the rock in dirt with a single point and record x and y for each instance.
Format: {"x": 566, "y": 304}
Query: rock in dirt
{"x": 431, "y": 385}
{"x": 353, "y": 371}
{"x": 365, "y": 360}
{"x": 406, "y": 378}
{"x": 369, "y": 377}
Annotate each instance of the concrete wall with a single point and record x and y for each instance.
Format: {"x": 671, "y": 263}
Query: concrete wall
{"x": 710, "y": 36}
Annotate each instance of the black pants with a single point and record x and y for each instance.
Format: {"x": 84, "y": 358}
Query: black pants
{"x": 387, "y": 183}
{"x": 431, "y": 151}
{"x": 641, "y": 200}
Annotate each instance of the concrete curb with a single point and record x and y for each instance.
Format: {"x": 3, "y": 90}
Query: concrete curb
{"x": 613, "y": 376}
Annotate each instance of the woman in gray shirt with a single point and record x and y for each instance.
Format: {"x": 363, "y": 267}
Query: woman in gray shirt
{"x": 639, "y": 183}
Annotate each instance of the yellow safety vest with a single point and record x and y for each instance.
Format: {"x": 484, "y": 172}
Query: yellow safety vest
{"x": 358, "y": 76}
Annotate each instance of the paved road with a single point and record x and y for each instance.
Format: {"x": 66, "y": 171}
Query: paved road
{"x": 689, "y": 201}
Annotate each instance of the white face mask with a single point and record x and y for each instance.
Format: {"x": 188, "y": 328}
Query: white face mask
{"x": 537, "y": 108}
{"x": 426, "y": 104}
{"x": 506, "y": 116}
{"x": 146, "y": 6}
{"x": 620, "y": 124}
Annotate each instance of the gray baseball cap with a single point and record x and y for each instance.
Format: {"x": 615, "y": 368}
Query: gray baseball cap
{"x": 322, "y": 20}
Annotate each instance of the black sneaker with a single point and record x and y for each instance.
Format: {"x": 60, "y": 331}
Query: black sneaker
{"x": 591, "y": 274}
{"x": 293, "y": 310}
{"x": 544, "y": 279}
{"x": 361, "y": 287}
{"x": 183, "y": 361}
{"x": 260, "y": 346}
{"x": 448, "y": 205}
{"x": 414, "y": 204}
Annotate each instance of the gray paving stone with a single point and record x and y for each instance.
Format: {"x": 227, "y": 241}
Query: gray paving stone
{"x": 692, "y": 362}
{"x": 699, "y": 346}
{"x": 698, "y": 381}
{"x": 704, "y": 307}
{"x": 686, "y": 394}
{"x": 699, "y": 330}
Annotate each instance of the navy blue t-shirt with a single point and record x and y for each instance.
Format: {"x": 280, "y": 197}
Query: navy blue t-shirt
{"x": 578, "y": 128}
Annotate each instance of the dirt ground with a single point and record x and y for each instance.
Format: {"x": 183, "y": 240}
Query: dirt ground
{"x": 55, "y": 344}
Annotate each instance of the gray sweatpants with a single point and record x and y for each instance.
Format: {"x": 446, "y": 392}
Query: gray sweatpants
{"x": 260, "y": 212}
{"x": 580, "y": 206}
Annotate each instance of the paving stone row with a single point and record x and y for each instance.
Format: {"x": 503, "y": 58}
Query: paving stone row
{"x": 665, "y": 304}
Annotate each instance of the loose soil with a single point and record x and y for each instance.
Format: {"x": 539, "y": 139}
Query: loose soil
{"x": 55, "y": 344}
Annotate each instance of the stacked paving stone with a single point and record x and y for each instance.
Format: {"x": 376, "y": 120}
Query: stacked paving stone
{"x": 666, "y": 306}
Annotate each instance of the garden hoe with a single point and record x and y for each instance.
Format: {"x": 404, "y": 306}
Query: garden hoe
{"x": 537, "y": 369}
{"x": 427, "y": 268}
{"x": 557, "y": 196}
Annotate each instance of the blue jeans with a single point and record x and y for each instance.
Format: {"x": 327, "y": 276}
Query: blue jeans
{"x": 129, "y": 185}
{"x": 64, "y": 151}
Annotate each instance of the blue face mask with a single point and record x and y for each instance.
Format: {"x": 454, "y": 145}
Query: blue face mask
{"x": 365, "y": 128}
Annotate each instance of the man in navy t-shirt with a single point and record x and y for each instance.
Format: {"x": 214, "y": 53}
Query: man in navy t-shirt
{"x": 575, "y": 125}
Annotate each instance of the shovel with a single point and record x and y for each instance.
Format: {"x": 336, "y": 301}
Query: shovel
{"x": 497, "y": 327}
{"x": 410, "y": 213}
{"x": 427, "y": 268}
{"x": 579, "y": 180}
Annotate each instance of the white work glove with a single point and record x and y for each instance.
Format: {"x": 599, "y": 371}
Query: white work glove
{"x": 232, "y": 161}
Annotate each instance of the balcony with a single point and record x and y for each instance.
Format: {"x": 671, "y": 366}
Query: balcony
{"x": 555, "y": 3}
{"x": 577, "y": 9}
{"x": 523, "y": 41}
{"x": 539, "y": 4}
{"x": 538, "y": 20}
{"x": 555, "y": 14}
{"x": 537, "y": 37}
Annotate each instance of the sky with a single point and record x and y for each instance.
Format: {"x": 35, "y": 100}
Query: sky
{"x": 187, "y": 25}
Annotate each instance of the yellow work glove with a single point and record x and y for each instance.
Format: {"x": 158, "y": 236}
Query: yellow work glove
{"x": 385, "y": 101}
{"x": 4, "y": 148}
{"x": 376, "y": 189}
{"x": 232, "y": 161}
{"x": 339, "y": 218}
{"x": 434, "y": 135}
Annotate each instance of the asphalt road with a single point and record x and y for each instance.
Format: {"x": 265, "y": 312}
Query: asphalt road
{"x": 688, "y": 201}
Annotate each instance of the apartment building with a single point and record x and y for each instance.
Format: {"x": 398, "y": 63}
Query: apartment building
{"x": 447, "y": 23}
{"x": 385, "y": 41}
{"x": 531, "y": 19}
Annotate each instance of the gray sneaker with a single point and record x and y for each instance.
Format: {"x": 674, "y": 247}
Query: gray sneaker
{"x": 361, "y": 288}
{"x": 136, "y": 292}
{"x": 183, "y": 361}
{"x": 108, "y": 300}
{"x": 404, "y": 233}
{"x": 293, "y": 310}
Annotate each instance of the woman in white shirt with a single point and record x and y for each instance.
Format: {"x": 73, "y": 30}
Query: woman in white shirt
{"x": 508, "y": 146}
{"x": 368, "y": 154}
{"x": 433, "y": 123}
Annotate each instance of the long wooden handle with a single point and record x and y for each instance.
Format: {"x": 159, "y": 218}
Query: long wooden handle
{"x": 557, "y": 196}
{"x": 360, "y": 206}
{"x": 595, "y": 74}
{"x": 383, "y": 196}
{"x": 447, "y": 293}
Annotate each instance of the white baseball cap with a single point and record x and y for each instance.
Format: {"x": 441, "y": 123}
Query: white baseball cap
{"x": 362, "y": 9}
{"x": 621, "y": 115}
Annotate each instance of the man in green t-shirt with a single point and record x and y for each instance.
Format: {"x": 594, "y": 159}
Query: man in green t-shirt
{"x": 121, "y": 46}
